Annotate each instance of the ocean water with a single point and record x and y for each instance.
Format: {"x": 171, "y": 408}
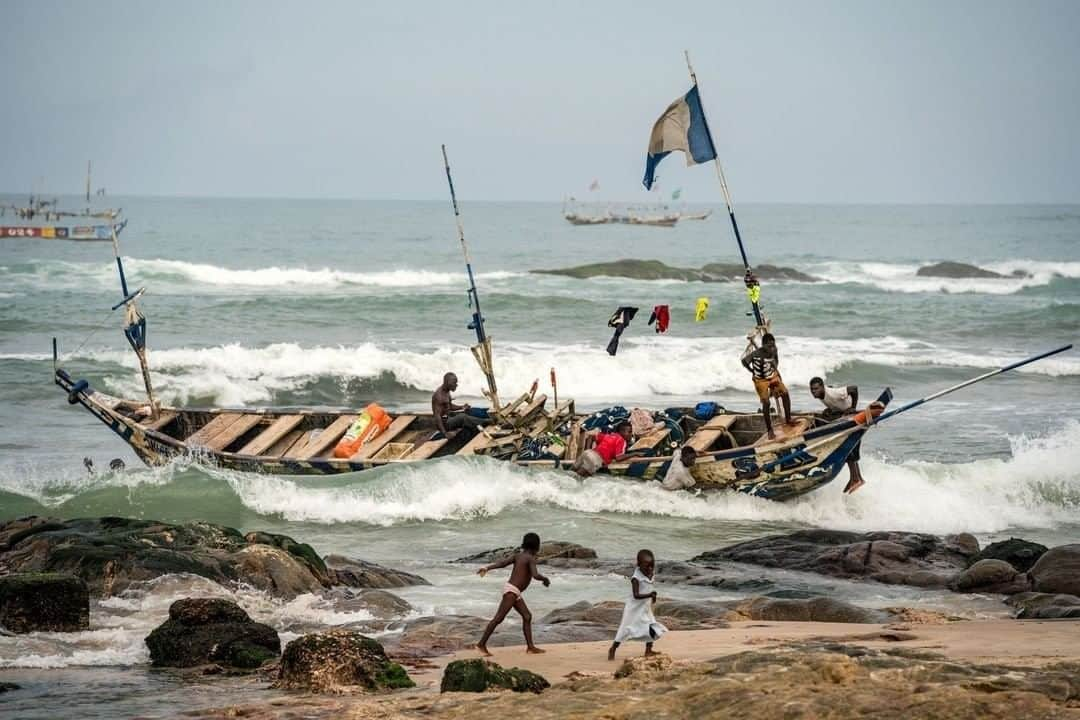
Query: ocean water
{"x": 339, "y": 303}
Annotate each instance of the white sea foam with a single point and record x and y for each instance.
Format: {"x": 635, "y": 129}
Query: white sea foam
{"x": 902, "y": 277}
{"x": 1037, "y": 487}
{"x": 121, "y": 623}
{"x": 163, "y": 275}
{"x": 646, "y": 369}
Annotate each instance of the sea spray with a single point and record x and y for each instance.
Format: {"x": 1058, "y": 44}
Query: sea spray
{"x": 1037, "y": 486}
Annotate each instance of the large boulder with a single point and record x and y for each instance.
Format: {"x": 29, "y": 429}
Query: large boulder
{"x": 958, "y": 270}
{"x": 111, "y": 553}
{"x": 275, "y": 571}
{"x": 657, "y": 270}
{"x": 1031, "y": 605}
{"x": 201, "y": 631}
{"x": 990, "y": 576}
{"x": 1021, "y": 554}
{"x": 548, "y": 551}
{"x": 338, "y": 660}
{"x": 8, "y": 687}
{"x": 897, "y": 558}
{"x": 482, "y": 675}
{"x": 301, "y": 551}
{"x": 363, "y": 574}
{"x": 818, "y": 609}
{"x": 1057, "y": 570}
{"x": 49, "y": 602}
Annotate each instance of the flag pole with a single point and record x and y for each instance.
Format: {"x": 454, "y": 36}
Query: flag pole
{"x": 482, "y": 350}
{"x": 753, "y": 287}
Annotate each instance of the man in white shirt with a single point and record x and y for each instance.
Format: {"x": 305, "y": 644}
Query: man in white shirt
{"x": 840, "y": 400}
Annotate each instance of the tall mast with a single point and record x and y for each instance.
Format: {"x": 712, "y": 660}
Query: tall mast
{"x": 753, "y": 287}
{"x": 482, "y": 350}
{"x": 88, "y": 181}
{"x": 134, "y": 325}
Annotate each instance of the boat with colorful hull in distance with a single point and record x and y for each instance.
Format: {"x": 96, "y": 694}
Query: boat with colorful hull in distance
{"x": 41, "y": 218}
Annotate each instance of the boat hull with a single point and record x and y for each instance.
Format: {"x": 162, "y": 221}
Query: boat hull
{"x": 781, "y": 470}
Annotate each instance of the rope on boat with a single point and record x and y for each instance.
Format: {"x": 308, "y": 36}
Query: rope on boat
{"x": 94, "y": 331}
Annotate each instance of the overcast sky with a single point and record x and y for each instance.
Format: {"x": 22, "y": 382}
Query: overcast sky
{"x": 871, "y": 101}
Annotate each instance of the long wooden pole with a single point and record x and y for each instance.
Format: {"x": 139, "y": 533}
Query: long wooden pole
{"x": 753, "y": 290}
{"x": 477, "y": 324}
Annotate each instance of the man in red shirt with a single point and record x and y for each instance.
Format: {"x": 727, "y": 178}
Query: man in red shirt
{"x": 608, "y": 448}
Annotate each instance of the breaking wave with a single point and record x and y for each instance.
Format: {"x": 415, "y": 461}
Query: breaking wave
{"x": 646, "y": 369}
{"x": 163, "y": 275}
{"x": 902, "y": 277}
{"x": 1036, "y": 486}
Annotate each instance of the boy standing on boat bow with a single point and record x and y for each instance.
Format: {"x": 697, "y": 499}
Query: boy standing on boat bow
{"x": 763, "y": 365}
{"x": 841, "y": 400}
{"x": 524, "y": 562}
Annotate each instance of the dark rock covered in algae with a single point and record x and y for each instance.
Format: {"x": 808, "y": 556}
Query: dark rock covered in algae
{"x": 482, "y": 675}
{"x": 960, "y": 271}
{"x": 110, "y": 553}
{"x": 338, "y": 660}
{"x": 656, "y": 270}
{"x": 43, "y": 602}
{"x": 201, "y": 631}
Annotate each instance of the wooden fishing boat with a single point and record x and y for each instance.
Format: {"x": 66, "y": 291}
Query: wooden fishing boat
{"x": 734, "y": 451}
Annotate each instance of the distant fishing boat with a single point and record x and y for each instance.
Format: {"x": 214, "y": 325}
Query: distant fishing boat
{"x": 41, "y": 218}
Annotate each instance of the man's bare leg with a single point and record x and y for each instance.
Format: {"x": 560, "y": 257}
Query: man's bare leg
{"x": 500, "y": 615}
{"x": 611, "y": 650}
{"x": 765, "y": 412}
{"x": 855, "y": 478}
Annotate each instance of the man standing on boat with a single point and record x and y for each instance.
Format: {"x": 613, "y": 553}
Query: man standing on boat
{"x": 840, "y": 400}
{"x": 449, "y": 416}
{"x": 763, "y": 364}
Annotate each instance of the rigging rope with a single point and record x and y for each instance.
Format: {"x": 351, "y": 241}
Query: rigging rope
{"x": 94, "y": 331}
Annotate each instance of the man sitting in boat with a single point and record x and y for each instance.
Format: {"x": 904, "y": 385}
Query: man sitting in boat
{"x": 840, "y": 400}
{"x": 449, "y": 416}
{"x": 763, "y": 365}
{"x": 607, "y": 447}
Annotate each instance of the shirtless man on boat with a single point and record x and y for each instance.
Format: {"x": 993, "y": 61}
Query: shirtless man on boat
{"x": 449, "y": 416}
{"x": 763, "y": 366}
{"x": 841, "y": 400}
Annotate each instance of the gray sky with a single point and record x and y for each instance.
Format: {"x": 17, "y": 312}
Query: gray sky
{"x": 882, "y": 101}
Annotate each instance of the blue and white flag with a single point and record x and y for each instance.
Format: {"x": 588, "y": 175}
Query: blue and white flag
{"x": 681, "y": 127}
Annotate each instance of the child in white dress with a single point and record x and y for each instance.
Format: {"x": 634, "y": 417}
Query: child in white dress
{"x": 638, "y": 622}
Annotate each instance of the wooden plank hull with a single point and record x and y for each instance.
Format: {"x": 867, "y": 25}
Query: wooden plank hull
{"x": 793, "y": 465}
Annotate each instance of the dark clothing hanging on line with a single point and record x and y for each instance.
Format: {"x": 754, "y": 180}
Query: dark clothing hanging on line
{"x": 661, "y": 315}
{"x": 619, "y": 320}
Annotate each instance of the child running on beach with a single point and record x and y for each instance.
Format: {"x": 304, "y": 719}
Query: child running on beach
{"x": 524, "y": 562}
{"x": 638, "y": 622}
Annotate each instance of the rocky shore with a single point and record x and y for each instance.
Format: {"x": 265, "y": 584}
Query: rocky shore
{"x": 51, "y": 569}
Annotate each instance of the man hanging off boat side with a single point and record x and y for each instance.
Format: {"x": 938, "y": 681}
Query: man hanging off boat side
{"x": 449, "y": 416}
{"x": 607, "y": 447}
{"x": 763, "y": 364}
{"x": 841, "y": 400}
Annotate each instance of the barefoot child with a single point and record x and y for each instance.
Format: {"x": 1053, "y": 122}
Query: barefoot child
{"x": 524, "y": 562}
{"x": 638, "y": 622}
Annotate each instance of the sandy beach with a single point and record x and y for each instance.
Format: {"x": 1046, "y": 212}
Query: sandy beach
{"x": 911, "y": 669}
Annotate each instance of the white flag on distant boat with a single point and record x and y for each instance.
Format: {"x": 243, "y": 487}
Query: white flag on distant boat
{"x": 681, "y": 127}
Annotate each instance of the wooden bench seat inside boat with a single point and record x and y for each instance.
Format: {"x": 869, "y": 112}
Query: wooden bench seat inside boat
{"x": 164, "y": 418}
{"x": 652, "y": 440}
{"x": 324, "y": 442}
{"x": 233, "y": 432}
{"x": 426, "y": 449}
{"x": 218, "y": 423}
{"x": 710, "y": 432}
{"x": 274, "y": 432}
{"x": 398, "y": 426}
{"x": 783, "y": 431}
